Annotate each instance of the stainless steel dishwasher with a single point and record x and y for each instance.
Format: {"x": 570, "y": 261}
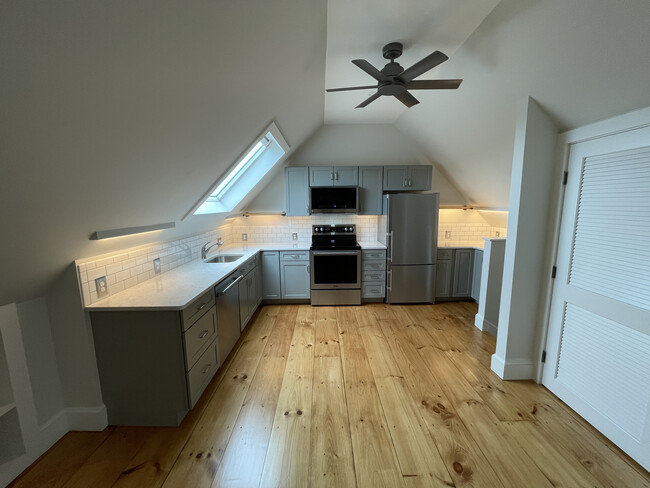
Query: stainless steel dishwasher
{"x": 227, "y": 293}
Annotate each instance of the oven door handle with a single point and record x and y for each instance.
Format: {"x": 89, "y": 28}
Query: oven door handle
{"x": 336, "y": 253}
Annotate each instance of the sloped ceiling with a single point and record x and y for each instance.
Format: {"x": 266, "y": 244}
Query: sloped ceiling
{"x": 582, "y": 61}
{"x": 118, "y": 113}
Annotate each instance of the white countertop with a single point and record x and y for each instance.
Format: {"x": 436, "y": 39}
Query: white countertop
{"x": 177, "y": 288}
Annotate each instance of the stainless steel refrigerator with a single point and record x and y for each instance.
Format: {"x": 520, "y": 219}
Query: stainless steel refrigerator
{"x": 411, "y": 238}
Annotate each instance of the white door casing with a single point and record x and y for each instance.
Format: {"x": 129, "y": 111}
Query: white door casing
{"x": 598, "y": 344}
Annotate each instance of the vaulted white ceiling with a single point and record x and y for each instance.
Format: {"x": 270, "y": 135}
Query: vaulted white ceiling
{"x": 118, "y": 114}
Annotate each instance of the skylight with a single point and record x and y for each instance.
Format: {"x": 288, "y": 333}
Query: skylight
{"x": 263, "y": 154}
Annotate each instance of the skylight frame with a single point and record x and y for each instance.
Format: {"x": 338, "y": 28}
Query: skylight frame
{"x": 220, "y": 198}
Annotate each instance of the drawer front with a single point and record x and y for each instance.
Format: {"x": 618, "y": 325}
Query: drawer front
{"x": 294, "y": 255}
{"x": 374, "y": 254}
{"x": 197, "y": 308}
{"x": 201, "y": 373}
{"x": 374, "y": 276}
{"x": 199, "y": 336}
{"x": 445, "y": 253}
{"x": 373, "y": 265}
{"x": 373, "y": 290}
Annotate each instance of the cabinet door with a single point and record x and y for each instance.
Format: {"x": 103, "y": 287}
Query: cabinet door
{"x": 463, "y": 268}
{"x": 295, "y": 279}
{"x": 394, "y": 178}
{"x": 370, "y": 190}
{"x": 271, "y": 275}
{"x": 346, "y": 175}
{"x": 243, "y": 301}
{"x": 419, "y": 178}
{"x": 476, "y": 279}
{"x": 297, "y": 191}
{"x": 321, "y": 176}
{"x": 443, "y": 278}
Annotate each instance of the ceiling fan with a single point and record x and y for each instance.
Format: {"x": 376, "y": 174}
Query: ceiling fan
{"x": 396, "y": 81}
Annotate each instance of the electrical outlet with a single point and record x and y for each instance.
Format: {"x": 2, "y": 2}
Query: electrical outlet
{"x": 294, "y": 236}
{"x": 498, "y": 234}
{"x": 156, "y": 266}
{"x": 244, "y": 237}
{"x": 447, "y": 234}
{"x": 101, "y": 286}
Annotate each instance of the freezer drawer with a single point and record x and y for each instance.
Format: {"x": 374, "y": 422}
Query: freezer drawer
{"x": 411, "y": 284}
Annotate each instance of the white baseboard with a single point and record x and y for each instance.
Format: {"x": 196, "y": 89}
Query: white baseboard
{"x": 87, "y": 418}
{"x": 485, "y": 325}
{"x": 512, "y": 370}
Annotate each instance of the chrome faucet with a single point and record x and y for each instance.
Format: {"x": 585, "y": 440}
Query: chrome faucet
{"x": 206, "y": 248}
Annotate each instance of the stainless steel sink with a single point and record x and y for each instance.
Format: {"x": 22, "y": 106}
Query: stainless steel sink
{"x": 224, "y": 258}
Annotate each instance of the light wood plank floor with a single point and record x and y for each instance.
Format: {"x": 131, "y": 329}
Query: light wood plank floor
{"x": 372, "y": 396}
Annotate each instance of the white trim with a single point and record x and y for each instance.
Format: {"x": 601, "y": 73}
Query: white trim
{"x": 87, "y": 418}
{"x": 512, "y": 370}
{"x": 485, "y": 325}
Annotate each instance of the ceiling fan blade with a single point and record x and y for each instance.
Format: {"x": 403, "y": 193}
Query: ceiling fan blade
{"x": 433, "y": 84}
{"x": 368, "y": 100}
{"x": 407, "y": 99}
{"x": 370, "y": 69}
{"x": 369, "y": 87}
{"x": 425, "y": 64}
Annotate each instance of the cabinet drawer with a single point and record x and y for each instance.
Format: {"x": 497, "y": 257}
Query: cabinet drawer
{"x": 294, "y": 255}
{"x": 374, "y": 254}
{"x": 197, "y": 308}
{"x": 373, "y": 290}
{"x": 199, "y": 336}
{"x": 373, "y": 265}
{"x": 202, "y": 372}
{"x": 445, "y": 253}
{"x": 373, "y": 276}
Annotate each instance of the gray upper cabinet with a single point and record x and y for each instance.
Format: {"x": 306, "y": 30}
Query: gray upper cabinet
{"x": 334, "y": 176}
{"x": 407, "y": 178}
{"x": 370, "y": 185}
{"x": 297, "y": 191}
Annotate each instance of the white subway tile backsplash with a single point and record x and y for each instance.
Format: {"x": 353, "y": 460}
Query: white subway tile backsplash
{"x": 96, "y": 273}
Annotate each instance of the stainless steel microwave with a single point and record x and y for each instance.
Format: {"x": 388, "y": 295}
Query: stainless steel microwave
{"x": 334, "y": 199}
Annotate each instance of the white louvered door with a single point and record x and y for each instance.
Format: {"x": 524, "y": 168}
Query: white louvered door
{"x": 598, "y": 346}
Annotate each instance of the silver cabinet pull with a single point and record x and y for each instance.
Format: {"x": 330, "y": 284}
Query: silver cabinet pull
{"x": 332, "y": 176}
{"x": 308, "y": 270}
{"x": 206, "y": 369}
{"x": 203, "y": 333}
{"x": 202, "y": 306}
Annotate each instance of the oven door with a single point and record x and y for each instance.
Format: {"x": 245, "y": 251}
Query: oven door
{"x": 335, "y": 269}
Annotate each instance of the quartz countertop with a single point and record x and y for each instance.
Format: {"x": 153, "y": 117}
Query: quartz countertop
{"x": 177, "y": 288}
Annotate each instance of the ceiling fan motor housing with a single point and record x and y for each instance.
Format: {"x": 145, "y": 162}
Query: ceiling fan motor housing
{"x": 393, "y": 50}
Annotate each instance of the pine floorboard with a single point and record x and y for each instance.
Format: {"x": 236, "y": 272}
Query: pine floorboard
{"x": 371, "y": 396}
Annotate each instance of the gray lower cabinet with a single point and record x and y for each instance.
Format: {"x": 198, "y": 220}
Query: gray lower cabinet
{"x": 249, "y": 292}
{"x": 296, "y": 187}
{"x": 154, "y": 365}
{"x": 455, "y": 272}
{"x": 407, "y": 178}
{"x": 476, "y": 278}
{"x": 373, "y": 274}
{"x": 294, "y": 274}
{"x": 271, "y": 275}
{"x": 463, "y": 272}
{"x": 370, "y": 190}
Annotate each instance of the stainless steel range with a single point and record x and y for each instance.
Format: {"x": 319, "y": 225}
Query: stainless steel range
{"x": 335, "y": 259}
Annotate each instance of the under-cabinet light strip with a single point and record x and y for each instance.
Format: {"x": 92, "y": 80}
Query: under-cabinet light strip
{"x": 127, "y": 231}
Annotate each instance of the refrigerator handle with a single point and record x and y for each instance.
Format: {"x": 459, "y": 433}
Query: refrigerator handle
{"x": 389, "y": 247}
{"x": 389, "y": 280}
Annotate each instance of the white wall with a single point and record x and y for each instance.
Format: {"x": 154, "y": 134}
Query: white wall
{"x": 534, "y": 173}
{"x": 357, "y": 145}
{"x": 119, "y": 114}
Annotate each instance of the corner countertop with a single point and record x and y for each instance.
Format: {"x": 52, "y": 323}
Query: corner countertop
{"x": 177, "y": 288}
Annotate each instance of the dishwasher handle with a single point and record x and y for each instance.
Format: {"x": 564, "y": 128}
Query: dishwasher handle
{"x": 225, "y": 290}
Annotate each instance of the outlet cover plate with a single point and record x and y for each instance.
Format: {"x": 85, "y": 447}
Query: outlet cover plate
{"x": 156, "y": 266}
{"x": 294, "y": 236}
{"x": 244, "y": 237}
{"x": 101, "y": 286}
{"x": 447, "y": 234}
